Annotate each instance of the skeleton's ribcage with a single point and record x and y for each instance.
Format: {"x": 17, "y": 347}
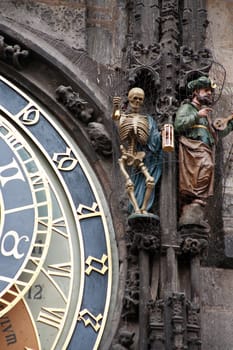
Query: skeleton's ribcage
{"x": 134, "y": 127}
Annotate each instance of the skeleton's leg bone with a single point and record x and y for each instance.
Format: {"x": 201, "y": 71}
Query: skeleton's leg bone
{"x": 150, "y": 184}
{"x": 129, "y": 184}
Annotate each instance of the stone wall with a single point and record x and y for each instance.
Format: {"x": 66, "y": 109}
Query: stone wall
{"x": 217, "y": 300}
{"x": 220, "y": 33}
{"x": 217, "y": 309}
{"x": 220, "y": 17}
{"x": 98, "y": 27}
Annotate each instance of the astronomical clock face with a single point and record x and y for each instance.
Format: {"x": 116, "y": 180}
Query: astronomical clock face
{"x": 56, "y": 238}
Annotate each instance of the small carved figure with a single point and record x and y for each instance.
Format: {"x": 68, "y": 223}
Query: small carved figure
{"x": 12, "y": 53}
{"x": 197, "y": 137}
{"x": 125, "y": 340}
{"x": 71, "y": 99}
{"x": 141, "y": 151}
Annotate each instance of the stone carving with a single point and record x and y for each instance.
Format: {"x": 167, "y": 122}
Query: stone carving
{"x": 194, "y": 246}
{"x": 144, "y": 55}
{"x": 146, "y": 242}
{"x": 169, "y": 43}
{"x": 191, "y": 61}
{"x": 144, "y": 67}
{"x": 193, "y": 314}
{"x": 193, "y": 326}
{"x": 144, "y": 234}
{"x": 177, "y": 304}
{"x": 166, "y": 106}
{"x": 131, "y": 297}
{"x": 156, "y": 323}
{"x": 125, "y": 340}
{"x": 13, "y": 54}
{"x": 74, "y": 103}
{"x": 100, "y": 138}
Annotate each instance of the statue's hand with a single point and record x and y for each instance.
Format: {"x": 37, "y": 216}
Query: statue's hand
{"x": 204, "y": 112}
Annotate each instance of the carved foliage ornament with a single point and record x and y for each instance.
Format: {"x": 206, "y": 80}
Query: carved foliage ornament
{"x": 144, "y": 55}
{"x": 145, "y": 236}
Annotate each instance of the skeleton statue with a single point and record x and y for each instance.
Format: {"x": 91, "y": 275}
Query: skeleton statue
{"x": 140, "y": 160}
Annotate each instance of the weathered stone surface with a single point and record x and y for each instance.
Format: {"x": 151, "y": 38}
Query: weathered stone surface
{"x": 106, "y": 30}
{"x": 217, "y": 309}
{"x": 221, "y": 32}
{"x": 228, "y": 240}
{"x": 63, "y": 20}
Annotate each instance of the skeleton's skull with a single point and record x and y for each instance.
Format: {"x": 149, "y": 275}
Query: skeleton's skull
{"x": 136, "y": 98}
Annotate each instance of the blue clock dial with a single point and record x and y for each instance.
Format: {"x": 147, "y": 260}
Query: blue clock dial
{"x": 69, "y": 298}
{"x": 25, "y": 206}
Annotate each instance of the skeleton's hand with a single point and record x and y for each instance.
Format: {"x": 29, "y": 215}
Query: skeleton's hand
{"x": 116, "y": 108}
{"x": 116, "y": 102}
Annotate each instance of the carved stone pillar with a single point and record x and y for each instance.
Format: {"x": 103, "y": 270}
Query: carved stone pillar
{"x": 156, "y": 323}
{"x": 146, "y": 243}
{"x": 176, "y": 304}
{"x": 193, "y": 326}
{"x": 166, "y": 106}
{"x": 194, "y": 243}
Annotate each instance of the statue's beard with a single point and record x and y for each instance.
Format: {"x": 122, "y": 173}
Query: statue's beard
{"x": 205, "y": 100}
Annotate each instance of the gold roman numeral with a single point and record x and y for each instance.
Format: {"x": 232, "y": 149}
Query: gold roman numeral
{"x": 85, "y": 211}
